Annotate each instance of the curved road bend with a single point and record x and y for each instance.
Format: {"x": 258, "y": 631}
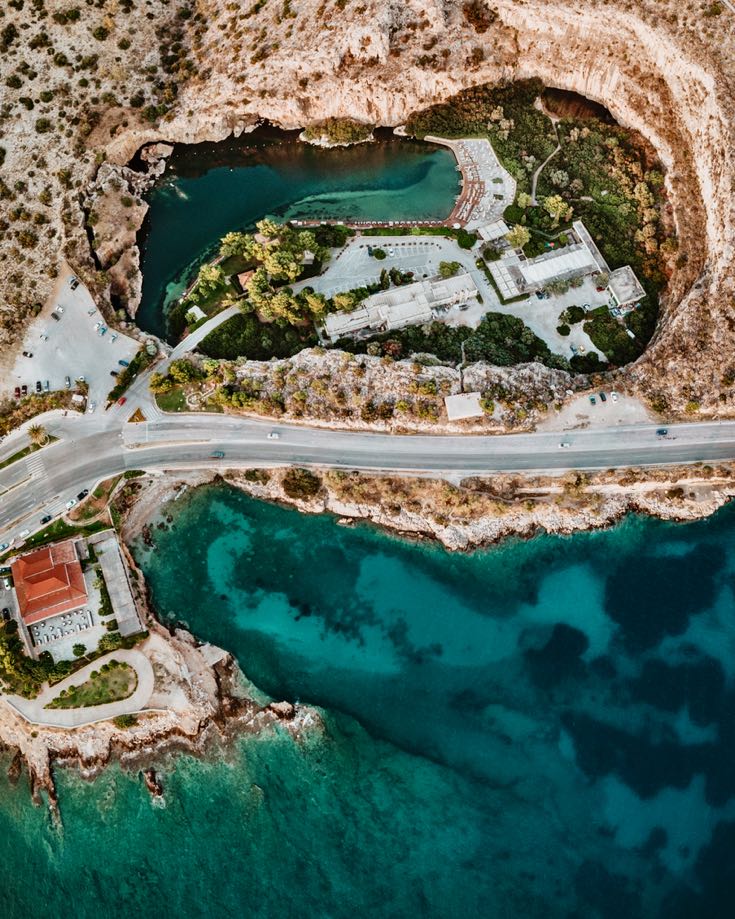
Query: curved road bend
{"x": 187, "y": 442}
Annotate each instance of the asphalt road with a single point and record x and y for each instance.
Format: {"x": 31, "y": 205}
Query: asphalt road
{"x": 83, "y": 456}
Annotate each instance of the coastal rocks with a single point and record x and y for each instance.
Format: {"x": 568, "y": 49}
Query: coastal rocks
{"x": 153, "y": 782}
{"x": 284, "y": 710}
{"x": 153, "y": 153}
{"x": 200, "y": 698}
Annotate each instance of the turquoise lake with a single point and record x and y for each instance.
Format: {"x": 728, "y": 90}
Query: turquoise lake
{"x": 541, "y": 729}
{"x": 210, "y": 189}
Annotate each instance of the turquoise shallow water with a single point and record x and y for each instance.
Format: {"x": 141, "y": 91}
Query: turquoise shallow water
{"x": 210, "y": 189}
{"x": 541, "y": 729}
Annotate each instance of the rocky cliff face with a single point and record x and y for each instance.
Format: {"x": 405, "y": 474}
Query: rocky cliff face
{"x": 664, "y": 67}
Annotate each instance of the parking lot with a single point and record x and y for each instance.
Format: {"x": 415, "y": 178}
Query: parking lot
{"x": 355, "y": 267}
{"x": 70, "y": 347}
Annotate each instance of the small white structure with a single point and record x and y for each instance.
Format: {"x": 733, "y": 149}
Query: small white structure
{"x": 195, "y": 314}
{"x": 492, "y": 231}
{"x": 625, "y": 288}
{"x": 308, "y": 257}
{"x": 463, "y": 405}
{"x": 399, "y": 307}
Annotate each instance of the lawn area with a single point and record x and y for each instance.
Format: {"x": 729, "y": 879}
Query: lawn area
{"x": 172, "y": 401}
{"x": 111, "y": 683}
{"x": 95, "y": 503}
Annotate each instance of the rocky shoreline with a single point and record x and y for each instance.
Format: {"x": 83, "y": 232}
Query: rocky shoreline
{"x": 474, "y": 513}
{"x": 201, "y": 702}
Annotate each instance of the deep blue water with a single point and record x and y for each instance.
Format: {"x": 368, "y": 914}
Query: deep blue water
{"x": 210, "y": 189}
{"x": 545, "y": 728}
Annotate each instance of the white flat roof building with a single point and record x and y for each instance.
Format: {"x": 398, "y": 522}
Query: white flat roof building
{"x": 492, "y": 231}
{"x": 625, "y": 287}
{"x": 399, "y": 307}
{"x": 560, "y": 263}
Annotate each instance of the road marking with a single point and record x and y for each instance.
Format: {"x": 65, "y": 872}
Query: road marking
{"x": 36, "y": 466}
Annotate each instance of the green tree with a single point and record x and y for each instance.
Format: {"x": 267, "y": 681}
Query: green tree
{"x": 79, "y": 650}
{"x": 524, "y": 200}
{"x": 184, "y": 371}
{"x": 237, "y": 244}
{"x": 37, "y": 434}
{"x": 448, "y": 269}
{"x": 556, "y": 207}
{"x": 211, "y": 278}
{"x": 160, "y": 383}
{"x": 518, "y": 236}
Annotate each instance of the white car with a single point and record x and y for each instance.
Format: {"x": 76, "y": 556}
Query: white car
{"x": 273, "y": 435}
{"x": 97, "y": 325}
{"x": 91, "y": 407}
{"x": 565, "y": 445}
{"x": 59, "y": 309}
{"x": 614, "y": 396}
{"x": 70, "y": 504}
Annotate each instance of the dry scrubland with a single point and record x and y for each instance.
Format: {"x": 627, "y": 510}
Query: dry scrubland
{"x": 480, "y": 511}
{"x": 84, "y": 81}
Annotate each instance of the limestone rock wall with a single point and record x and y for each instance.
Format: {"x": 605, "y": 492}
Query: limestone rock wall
{"x": 664, "y": 67}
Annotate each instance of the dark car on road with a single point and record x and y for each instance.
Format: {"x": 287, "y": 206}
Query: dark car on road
{"x": 603, "y": 397}
{"x": 124, "y": 363}
{"x": 39, "y": 386}
{"x": 114, "y": 373}
{"x": 46, "y": 519}
{"x": 27, "y": 354}
{"x": 56, "y": 317}
{"x": 17, "y": 392}
{"x": 82, "y": 494}
{"x": 6, "y": 613}
{"x": 24, "y": 389}
{"x": 662, "y": 432}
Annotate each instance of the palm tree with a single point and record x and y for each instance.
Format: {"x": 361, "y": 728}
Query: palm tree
{"x": 37, "y": 434}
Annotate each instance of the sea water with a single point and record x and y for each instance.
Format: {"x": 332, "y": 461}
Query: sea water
{"x": 211, "y": 189}
{"x": 544, "y": 728}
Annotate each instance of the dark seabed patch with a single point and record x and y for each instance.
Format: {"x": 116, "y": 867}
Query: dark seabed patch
{"x": 505, "y": 736}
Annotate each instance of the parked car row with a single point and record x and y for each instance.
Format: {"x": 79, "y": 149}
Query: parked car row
{"x": 603, "y": 397}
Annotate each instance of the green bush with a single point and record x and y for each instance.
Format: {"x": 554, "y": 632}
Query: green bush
{"x": 245, "y": 336}
{"x": 339, "y": 130}
{"x": 563, "y": 329}
{"x": 301, "y": 483}
{"x": 610, "y": 336}
{"x": 379, "y": 254}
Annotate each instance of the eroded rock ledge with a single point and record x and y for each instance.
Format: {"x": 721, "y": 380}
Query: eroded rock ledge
{"x": 472, "y": 513}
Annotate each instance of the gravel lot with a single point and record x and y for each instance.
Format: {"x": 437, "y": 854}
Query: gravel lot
{"x": 74, "y": 348}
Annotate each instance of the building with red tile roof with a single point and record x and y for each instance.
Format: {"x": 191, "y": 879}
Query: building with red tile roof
{"x": 49, "y": 581}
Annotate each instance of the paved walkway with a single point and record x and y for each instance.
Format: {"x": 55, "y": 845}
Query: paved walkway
{"x": 33, "y": 709}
